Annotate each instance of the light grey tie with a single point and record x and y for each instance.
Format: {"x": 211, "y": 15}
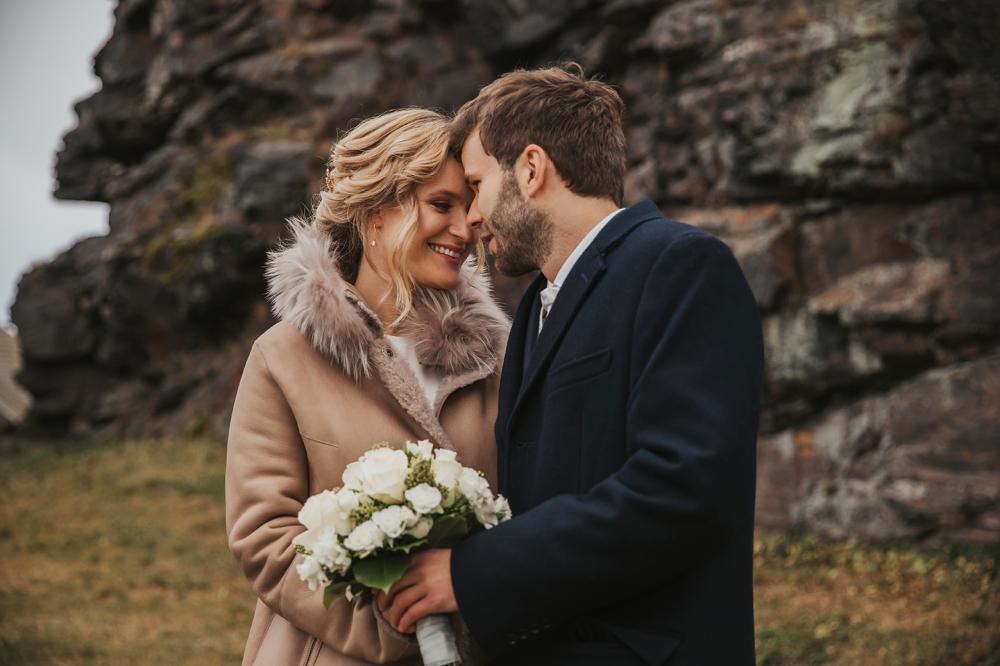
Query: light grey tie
{"x": 547, "y": 296}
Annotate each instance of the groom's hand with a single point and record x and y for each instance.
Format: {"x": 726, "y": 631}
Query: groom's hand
{"x": 425, "y": 589}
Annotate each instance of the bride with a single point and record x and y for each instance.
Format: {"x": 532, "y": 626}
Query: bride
{"x": 388, "y": 332}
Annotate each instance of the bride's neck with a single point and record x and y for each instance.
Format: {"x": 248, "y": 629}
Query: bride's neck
{"x": 373, "y": 288}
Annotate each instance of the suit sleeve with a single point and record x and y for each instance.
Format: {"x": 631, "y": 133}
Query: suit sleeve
{"x": 690, "y": 428}
{"x": 266, "y": 486}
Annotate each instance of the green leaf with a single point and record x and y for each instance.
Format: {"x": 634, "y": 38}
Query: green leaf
{"x": 332, "y": 591}
{"x": 408, "y": 547}
{"x": 448, "y": 531}
{"x": 382, "y": 571}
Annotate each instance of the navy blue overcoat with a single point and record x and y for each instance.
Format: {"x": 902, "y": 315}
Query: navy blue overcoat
{"x": 626, "y": 439}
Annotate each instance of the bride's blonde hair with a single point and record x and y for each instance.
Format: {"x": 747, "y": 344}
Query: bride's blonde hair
{"x": 380, "y": 162}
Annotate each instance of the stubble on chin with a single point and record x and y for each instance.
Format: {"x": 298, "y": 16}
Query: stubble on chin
{"x": 523, "y": 232}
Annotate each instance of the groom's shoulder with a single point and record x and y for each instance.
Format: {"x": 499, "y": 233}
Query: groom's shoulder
{"x": 658, "y": 232}
{"x": 665, "y": 231}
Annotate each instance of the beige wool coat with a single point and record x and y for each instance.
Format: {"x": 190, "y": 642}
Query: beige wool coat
{"x": 318, "y": 389}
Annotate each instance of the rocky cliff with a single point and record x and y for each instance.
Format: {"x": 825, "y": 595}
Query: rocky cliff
{"x": 846, "y": 149}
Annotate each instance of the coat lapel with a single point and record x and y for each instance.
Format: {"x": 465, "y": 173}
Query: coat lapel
{"x": 571, "y": 295}
{"x": 580, "y": 281}
{"x": 515, "y": 358}
{"x": 452, "y": 382}
{"x": 400, "y": 381}
{"x": 531, "y": 331}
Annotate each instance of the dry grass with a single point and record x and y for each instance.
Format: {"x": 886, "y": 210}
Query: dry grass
{"x": 115, "y": 553}
{"x": 820, "y": 602}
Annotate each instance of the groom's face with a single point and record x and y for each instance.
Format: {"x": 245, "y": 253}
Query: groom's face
{"x": 518, "y": 233}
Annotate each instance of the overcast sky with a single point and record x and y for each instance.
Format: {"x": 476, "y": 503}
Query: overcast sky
{"x": 46, "y": 64}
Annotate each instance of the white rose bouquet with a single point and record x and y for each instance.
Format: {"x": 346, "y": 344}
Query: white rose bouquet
{"x": 359, "y": 536}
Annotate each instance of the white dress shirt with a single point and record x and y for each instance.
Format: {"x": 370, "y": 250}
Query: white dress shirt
{"x": 548, "y": 295}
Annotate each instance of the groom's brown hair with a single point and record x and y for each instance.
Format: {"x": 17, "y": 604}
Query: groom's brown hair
{"x": 576, "y": 120}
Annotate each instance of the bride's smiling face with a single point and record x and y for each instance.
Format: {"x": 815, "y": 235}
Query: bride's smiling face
{"x": 443, "y": 237}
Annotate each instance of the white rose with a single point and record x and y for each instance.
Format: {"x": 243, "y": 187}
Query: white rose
{"x": 474, "y": 487}
{"x": 420, "y": 450}
{"x": 446, "y": 470}
{"x": 477, "y": 491}
{"x": 424, "y": 498}
{"x": 319, "y": 510}
{"x": 352, "y": 476}
{"x": 421, "y": 528}
{"x": 328, "y": 551}
{"x": 346, "y": 501}
{"x": 502, "y": 507}
{"x": 383, "y": 474}
{"x": 307, "y": 539}
{"x": 394, "y": 520}
{"x": 491, "y": 513}
{"x": 365, "y": 539}
{"x": 486, "y": 515}
{"x": 312, "y": 573}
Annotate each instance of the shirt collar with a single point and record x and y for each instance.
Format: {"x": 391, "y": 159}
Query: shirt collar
{"x": 580, "y": 249}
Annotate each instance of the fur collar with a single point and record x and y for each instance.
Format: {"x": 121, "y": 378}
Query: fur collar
{"x": 462, "y": 329}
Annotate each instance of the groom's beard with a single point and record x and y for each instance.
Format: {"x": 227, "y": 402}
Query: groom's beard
{"x": 522, "y": 231}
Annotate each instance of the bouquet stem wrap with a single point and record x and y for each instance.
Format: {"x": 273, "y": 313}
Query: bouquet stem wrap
{"x": 437, "y": 641}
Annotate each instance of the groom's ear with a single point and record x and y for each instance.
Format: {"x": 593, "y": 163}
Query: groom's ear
{"x": 532, "y": 168}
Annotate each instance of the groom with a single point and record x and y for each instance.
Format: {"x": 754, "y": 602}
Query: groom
{"x": 628, "y": 413}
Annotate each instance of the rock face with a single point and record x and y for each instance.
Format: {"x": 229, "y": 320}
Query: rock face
{"x": 847, "y": 151}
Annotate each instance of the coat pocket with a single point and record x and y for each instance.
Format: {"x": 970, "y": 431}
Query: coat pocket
{"x": 579, "y": 369}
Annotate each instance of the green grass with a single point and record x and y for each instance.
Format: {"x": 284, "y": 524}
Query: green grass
{"x": 115, "y": 553}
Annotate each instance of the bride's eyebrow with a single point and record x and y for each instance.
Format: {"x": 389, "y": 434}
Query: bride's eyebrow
{"x": 451, "y": 194}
